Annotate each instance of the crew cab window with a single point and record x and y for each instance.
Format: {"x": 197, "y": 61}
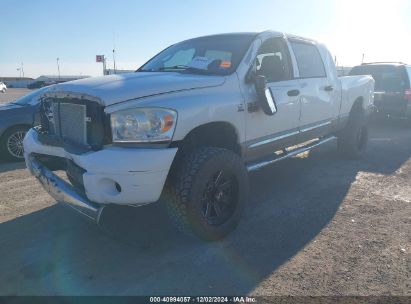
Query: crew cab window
{"x": 309, "y": 61}
{"x": 272, "y": 60}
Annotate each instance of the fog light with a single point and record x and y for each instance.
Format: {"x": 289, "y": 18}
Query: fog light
{"x": 109, "y": 186}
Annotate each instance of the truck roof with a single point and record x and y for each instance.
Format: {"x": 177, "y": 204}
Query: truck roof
{"x": 254, "y": 34}
{"x": 384, "y": 63}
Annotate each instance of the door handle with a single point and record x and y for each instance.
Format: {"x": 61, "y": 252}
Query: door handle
{"x": 293, "y": 93}
{"x": 329, "y": 88}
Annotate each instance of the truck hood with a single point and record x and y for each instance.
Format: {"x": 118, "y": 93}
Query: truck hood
{"x": 9, "y": 106}
{"x": 113, "y": 89}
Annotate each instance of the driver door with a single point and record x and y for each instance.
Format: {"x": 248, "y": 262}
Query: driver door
{"x": 266, "y": 134}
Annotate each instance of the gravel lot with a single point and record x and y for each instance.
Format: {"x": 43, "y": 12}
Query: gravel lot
{"x": 316, "y": 225}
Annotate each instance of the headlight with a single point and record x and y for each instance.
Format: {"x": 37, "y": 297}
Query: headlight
{"x": 143, "y": 125}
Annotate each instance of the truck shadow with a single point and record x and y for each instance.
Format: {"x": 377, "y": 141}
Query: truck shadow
{"x": 54, "y": 251}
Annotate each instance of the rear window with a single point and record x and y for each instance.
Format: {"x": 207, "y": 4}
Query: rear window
{"x": 309, "y": 60}
{"x": 387, "y": 77}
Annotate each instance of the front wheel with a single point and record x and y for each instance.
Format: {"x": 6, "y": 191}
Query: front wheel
{"x": 11, "y": 143}
{"x": 207, "y": 194}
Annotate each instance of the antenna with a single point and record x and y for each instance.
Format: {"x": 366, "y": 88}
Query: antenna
{"x": 58, "y": 66}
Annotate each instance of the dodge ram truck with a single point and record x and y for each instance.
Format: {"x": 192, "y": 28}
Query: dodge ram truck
{"x": 187, "y": 127}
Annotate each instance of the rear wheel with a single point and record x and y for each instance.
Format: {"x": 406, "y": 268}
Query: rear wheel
{"x": 353, "y": 140}
{"x": 207, "y": 194}
{"x": 11, "y": 144}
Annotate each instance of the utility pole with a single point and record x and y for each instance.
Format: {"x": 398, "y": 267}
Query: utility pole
{"x": 114, "y": 60}
{"x": 19, "y": 69}
{"x": 362, "y": 60}
{"x": 22, "y": 69}
{"x": 58, "y": 67}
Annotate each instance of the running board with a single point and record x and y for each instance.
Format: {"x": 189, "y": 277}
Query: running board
{"x": 287, "y": 154}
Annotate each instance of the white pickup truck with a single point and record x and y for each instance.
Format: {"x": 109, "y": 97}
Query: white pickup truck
{"x": 187, "y": 127}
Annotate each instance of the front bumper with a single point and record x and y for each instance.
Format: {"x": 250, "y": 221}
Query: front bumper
{"x": 114, "y": 175}
{"x": 63, "y": 192}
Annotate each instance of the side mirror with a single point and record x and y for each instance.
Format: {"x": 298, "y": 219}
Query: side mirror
{"x": 264, "y": 96}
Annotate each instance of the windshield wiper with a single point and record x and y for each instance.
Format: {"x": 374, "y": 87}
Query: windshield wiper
{"x": 185, "y": 68}
{"x": 174, "y": 67}
{"x": 179, "y": 68}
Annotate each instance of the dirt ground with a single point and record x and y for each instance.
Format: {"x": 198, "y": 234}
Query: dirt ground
{"x": 12, "y": 94}
{"x": 315, "y": 225}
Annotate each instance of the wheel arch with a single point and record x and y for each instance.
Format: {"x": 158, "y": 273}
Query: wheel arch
{"x": 358, "y": 105}
{"x": 219, "y": 134}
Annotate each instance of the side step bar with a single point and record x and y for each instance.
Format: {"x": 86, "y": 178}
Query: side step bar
{"x": 287, "y": 154}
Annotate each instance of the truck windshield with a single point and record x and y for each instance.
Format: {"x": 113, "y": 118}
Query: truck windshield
{"x": 217, "y": 55}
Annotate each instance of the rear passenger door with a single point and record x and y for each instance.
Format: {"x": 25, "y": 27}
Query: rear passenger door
{"x": 319, "y": 103}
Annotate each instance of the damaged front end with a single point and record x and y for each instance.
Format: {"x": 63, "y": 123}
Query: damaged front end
{"x": 62, "y": 191}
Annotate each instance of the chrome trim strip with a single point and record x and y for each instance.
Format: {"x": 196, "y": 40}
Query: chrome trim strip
{"x": 270, "y": 140}
{"x": 63, "y": 192}
{"x": 316, "y": 126}
{"x": 257, "y": 166}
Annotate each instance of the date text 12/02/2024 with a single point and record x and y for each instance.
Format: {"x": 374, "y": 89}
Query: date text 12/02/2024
{"x": 238, "y": 299}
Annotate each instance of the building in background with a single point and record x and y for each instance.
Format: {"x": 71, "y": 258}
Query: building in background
{"x": 57, "y": 79}
{"x": 112, "y": 71}
{"x": 16, "y": 82}
{"x": 44, "y": 80}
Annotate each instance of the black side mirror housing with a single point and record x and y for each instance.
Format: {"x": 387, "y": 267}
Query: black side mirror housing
{"x": 250, "y": 76}
{"x": 264, "y": 97}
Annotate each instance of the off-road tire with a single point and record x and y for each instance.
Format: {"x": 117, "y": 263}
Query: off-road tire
{"x": 184, "y": 191}
{"x": 4, "y": 141}
{"x": 353, "y": 139}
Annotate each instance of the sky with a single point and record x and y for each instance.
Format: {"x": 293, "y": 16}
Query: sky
{"x": 36, "y": 33}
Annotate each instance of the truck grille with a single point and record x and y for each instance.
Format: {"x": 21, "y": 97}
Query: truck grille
{"x": 69, "y": 122}
{"x": 75, "y": 122}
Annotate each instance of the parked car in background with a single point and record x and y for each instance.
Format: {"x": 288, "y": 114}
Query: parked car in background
{"x": 16, "y": 118}
{"x": 3, "y": 87}
{"x": 392, "y": 94}
{"x": 36, "y": 85}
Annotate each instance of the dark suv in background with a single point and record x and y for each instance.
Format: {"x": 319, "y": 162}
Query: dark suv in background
{"x": 392, "y": 86}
